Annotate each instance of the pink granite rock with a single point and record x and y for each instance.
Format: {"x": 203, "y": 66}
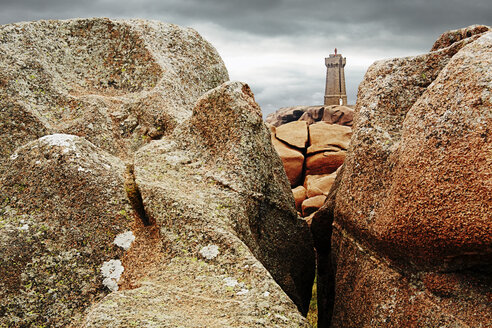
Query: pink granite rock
{"x": 412, "y": 233}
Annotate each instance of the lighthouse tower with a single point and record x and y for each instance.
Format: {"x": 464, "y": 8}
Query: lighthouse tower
{"x": 335, "y": 93}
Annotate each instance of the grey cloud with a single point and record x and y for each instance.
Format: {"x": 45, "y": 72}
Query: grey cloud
{"x": 354, "y": 26}
{"x": 406, "y": 23}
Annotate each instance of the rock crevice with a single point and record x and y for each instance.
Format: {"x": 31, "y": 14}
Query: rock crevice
{"x": 202, "y": 231}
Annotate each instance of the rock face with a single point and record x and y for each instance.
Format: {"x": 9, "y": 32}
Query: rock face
{"x": 327, "y": 146}
{"x": 116, "y": 83}
{"x": 300, "y": 195}
{"x": 312, "y": 204}
{"x": 325, "y": 162}
{"x": 412, "y": 233}
{"x": 319, "y": 184}
{"x": 292, "y": 159}
{"x": 323, "y": 136}
{"x": 62, "y": 205}
{"x": 196, "y": 229}
{"x": 238, "y": 211}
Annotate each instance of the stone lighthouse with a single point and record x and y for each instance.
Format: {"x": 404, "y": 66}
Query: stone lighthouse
{"x": 335, "y": 93}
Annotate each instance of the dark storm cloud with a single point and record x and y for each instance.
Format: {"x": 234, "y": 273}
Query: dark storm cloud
{"x": 303, "y": 31}
{"x": 361, "y": 21}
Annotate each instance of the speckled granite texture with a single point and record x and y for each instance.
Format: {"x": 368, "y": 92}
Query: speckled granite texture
{"x": 412, "y": 229}
{"x": 100, "y": 125}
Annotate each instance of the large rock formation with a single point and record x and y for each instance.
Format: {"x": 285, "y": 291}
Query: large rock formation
{"x": 238, "y": 210}
{"x": 312, "y": 142}
{"x": 115, "y": 83}
{"x": 412, "y": 232}
{"x": 199, "y": 228}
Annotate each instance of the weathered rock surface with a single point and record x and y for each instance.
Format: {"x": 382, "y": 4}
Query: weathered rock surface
{"x": 412, "y": 233}
{"x": 293, "y": 133}
{"x": 311, "y": 154}
{"x": 300, "y": 195}
{"x": 310, "y": 146}
{"x": 319, "y": 184}
{"x": 62, "y": 205}
{"x": 334, "y": 114}
{"x": 312, "y": 204}
{"x": 241, "y": 209}
{"x": 224, "y": 246}
{"x": 312, "y": 115}
{"x": 117, "y": 83}
{"x": 450, "y": 37}
{"x": 341, "y": 115}
{"x": 324, "y": 136}
{"x": 287, "y": 114}
{"x": 325, "y": 162}
{"x": 292, "y": 159}
{"x": 445, "y": 151}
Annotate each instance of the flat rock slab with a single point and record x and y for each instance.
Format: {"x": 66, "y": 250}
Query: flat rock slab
{"x": 293, "y": 133}
{"x": 325, "y": 162}
{"x": 324, "y": 136}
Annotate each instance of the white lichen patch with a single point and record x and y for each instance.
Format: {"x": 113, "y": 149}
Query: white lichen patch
{"x": 124, "y": 240}
{"x": 25, "y": 227}
{"x": 66, "y": 141}
{"x": 243, "y": 291}
{"x": 81, "y": 169}
{"x": 281, "y": 317}
{"x": 266, "y": 294}
{"x": 111, "y": 271}
{"x": 209, "y": 252}
{"x": 230, "y": 282}
{"x": 111, "y": 284}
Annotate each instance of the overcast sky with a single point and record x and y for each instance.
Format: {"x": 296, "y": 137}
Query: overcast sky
{"x": 278, "y": 46}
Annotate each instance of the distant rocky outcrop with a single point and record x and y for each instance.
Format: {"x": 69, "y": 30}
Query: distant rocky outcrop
{"x": 332, "y": 114}
{"x": 311, "y": 154}
{"x": 410, "y": 211}
{"x": 103, "y": 225}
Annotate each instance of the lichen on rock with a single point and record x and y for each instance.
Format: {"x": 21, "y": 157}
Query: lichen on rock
{"x": 208, "y": 202}
{"x": 117, "y": 83}
{"x": 410, "y": 214}
{"x": 111, "y": 271}
{"x": 227, "y": 222}
{"x": 72, "y": 217}
{"x": 124, "y": 240}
